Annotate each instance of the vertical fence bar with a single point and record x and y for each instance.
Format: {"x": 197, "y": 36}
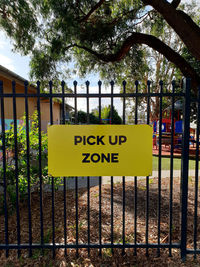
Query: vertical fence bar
{"x": 52, "y": 178}
{"x": 40, "y": 164}
{"x": 76, "y": 196}
{"x": 111, "y": 107}
{"x": 16, "y": 164}
{"x": 99, "y": 84}
{"x": 100, "y": 228}
{"x": 123, "y": 178}
{"x": 28, "y": 166}
{"x": 124, "y": 103}
{"x": 135, "y": 178}
{"x": 64, "y": 178}
{"x": 111, "y": 121}
{"x": 184, "y": 167}
{"x": 76, "y": 178}
{"x": 88, "y": 178}
{"x": 196, "y": 175}
{"x": 171, "y": 170}
{"x": 75, "y": 102}
{"x": 88, "y": 100}
{"x": 88, "y": 211}
{"x": 63, "y": 102}
{"x": 4, "y": 167}
{"x": 147, "y": 178}
{"x": 100, "y": 178}
{"x": 159, "y": 164}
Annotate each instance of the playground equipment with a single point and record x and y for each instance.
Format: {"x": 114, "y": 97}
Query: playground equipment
{"x": 166, "y": 127}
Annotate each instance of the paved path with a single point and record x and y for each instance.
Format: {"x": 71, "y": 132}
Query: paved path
{"x": 94, "y": 181}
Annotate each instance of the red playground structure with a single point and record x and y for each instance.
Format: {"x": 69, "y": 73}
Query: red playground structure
{"x": 166, "y": 131}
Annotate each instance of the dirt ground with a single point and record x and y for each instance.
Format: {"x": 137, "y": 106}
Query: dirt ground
{"x": 107, "y": 259}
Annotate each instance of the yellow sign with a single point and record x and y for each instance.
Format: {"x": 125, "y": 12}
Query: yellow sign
{"x": 100, "y": 150}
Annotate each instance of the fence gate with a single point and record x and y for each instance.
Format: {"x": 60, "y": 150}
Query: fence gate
{"x": 111, "y": 212}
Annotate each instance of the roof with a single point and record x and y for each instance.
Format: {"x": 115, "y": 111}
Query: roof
{"x": 12, "y": 75}
{"x": 8, "y": 72}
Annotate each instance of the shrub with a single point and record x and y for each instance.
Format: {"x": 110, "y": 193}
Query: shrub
{"x": 22, "y": 160}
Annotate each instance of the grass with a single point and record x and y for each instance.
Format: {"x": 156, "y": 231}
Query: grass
{"x": 166, "y": 164}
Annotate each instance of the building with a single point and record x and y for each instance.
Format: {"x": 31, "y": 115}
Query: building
{"x": 7, "y": 77}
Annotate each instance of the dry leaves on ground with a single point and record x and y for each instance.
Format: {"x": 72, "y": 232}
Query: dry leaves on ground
{"x": 107, "y": 259}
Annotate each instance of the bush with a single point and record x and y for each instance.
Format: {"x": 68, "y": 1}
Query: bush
{"x": 22, "y": 160}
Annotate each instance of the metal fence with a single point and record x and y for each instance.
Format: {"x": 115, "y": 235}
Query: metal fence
{"x": 135, "y": 96}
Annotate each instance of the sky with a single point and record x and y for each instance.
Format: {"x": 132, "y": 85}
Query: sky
{"x": 12, "y": 60}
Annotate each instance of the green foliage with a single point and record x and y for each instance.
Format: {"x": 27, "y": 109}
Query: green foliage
{"x": 82, "y": 118}
{"x": 54, "y": 32}
{"x": 193, "y": 61}
{"x": 22, "y": 159}
{"x": 20, "y": 22}
{"x": 94, "y": 116}
{"x": 106, "y": 115}
{"x": 196, "y": 65}
{"x": 132, "y": 67}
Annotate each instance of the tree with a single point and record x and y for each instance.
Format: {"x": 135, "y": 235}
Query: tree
{"x": 147, "y": 64}
{"x": 82, "y": 118}
{"x": 103, "y": 31}
{"x": 107, "y": 116}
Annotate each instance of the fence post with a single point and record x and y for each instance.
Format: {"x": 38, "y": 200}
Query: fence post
{"x": 184, "y": 166}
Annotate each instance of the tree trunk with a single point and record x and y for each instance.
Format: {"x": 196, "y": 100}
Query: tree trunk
{"x": 182, "y": 24}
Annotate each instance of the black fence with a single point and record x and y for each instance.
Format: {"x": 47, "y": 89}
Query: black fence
{"x": 181, "y": 241}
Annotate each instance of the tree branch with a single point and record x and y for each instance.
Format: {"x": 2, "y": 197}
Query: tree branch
{"x": 175, "y": 3}
{"x": 3, "y": 13}
{"x": 156, "y": 44}
{"x": 189, "y": 21}
{"x": 122, "y": 15}
{"x": 92, "y": 10}
{"x": 182, "y": 24}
